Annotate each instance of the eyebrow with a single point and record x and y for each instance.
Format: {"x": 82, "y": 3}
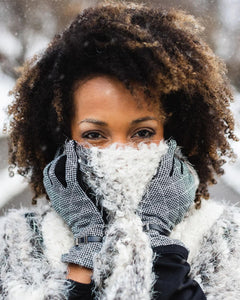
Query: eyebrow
{"x": 94, "y": 121}
{"x": 102, "y": 123}
{"x": 142, "y": 120}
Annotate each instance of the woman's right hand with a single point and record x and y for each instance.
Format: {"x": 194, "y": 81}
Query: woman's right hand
{"x": 71, "y": 202}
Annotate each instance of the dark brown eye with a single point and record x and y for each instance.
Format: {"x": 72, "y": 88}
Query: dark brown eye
{"x": 92, "y": 135}
{"x": 144, "y": 133}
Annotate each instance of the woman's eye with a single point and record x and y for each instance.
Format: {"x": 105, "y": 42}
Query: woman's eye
{"x": 144, "y": 133}
{"x": 92, "y": 135}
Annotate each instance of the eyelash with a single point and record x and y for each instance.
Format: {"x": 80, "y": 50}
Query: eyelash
{"x": 86, "y": 135}
{"x": 149, "y": 133}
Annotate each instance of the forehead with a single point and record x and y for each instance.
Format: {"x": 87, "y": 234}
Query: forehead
{"x": 107, "y": 91}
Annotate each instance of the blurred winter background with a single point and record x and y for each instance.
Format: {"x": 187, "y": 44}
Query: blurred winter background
{"x": 26, "y": 27}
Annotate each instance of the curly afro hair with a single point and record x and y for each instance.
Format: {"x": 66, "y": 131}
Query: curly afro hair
{"x": 156, "y": 50}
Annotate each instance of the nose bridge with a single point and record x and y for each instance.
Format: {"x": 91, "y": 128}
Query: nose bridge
{"x": 120, "y": 140}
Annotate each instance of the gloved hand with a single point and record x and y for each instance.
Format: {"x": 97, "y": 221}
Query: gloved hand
{"x": 168, "y": 197}
{"x": 72, "y": 203}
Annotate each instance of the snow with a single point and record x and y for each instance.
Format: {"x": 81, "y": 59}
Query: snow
{"x": 10, "y": 45}
{"x": 6, "y": 84}
{"x": 225, "y": 38}
{"x": 229, "y": 14}
{"x": 232, "y": 171}
{"x": 10, "y": 186}
{"x": 38, "y": 43}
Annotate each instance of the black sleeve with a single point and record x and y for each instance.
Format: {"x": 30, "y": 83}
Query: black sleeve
{"x": 172, "y": 280}
{"x": 172, "y": 275}
{"x": 80, "y": 291}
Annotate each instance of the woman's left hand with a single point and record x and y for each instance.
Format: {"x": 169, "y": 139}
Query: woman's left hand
{"x": 168, "y": 197}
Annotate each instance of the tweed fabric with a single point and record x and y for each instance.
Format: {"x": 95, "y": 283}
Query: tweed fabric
{"x": 73, "y": 205}
{"x": 169, "y": 195}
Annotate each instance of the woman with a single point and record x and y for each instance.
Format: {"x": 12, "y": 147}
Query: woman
{"x": 129, "y": 75}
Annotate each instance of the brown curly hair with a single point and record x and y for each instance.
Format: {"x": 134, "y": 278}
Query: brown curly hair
{"x": 161, "y": 51}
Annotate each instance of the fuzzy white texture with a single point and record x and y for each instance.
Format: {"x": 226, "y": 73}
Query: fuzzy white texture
{"x": 212, "y": 234}
{"x": 216, "y": 263}
{"x": 115, "y": 169}
{"x": 124, "y": 264}
{"x": 25, "y": 272}
{"x": 55, "y": 245}
{"x": 190, "y": 232}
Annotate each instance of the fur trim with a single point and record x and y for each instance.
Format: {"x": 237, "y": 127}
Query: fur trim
{"x": 25, "y": 271}
{"x": 216, "y": 265}
{"x": 195, "y": 224}
{"x": 55, "y": 244}
{"x": 211, "y": 233}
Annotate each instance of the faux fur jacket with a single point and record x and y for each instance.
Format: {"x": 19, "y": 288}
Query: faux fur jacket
{"x": 32, "y": 241}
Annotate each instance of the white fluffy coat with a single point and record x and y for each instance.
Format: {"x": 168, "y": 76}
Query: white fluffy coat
{"x": 212, "y": 234}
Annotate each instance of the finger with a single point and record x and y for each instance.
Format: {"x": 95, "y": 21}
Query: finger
{"x": 49, "y": 174}
{"x": 177, "y": 167}
{"x": 172, "y": 168}
{"x": 46, "y": 178}
{"x": 166, "y": 163}
{"x": 190, "y": 169}
{"x": 71, "y": 162}
{"x": 172, "y": 145}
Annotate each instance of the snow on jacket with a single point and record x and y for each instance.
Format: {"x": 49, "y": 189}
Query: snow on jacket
{"x": 32, "y": 241}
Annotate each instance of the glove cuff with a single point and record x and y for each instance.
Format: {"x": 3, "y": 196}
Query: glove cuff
{"x": 97, "y": 230}
{"x": 82, "y": 254}
{"x": 162, "y": 240}
{"x": 171, "y": 249}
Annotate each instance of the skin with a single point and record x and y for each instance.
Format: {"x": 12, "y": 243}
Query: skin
{"x": 105, "y": 112}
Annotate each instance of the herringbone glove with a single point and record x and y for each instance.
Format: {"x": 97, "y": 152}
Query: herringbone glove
{"x": 168, "y": 197}
{"x": 71, "y": 202}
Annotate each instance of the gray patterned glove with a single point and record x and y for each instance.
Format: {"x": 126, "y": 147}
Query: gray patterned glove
{"x": 168, "y": 197}
{"x": 74, "y": 206}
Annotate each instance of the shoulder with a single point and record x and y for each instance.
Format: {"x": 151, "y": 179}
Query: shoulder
{"x": 32, "y": 241}
{"x": 198, "y": 222}
{"x": 18, "y": 226}
{"x": 212, "y": 235}
{"x": 42, "y": 223}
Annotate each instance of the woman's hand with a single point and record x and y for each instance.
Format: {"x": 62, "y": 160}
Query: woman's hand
{"x": 168, "y": 197}
{"x": 74, "y": 206}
